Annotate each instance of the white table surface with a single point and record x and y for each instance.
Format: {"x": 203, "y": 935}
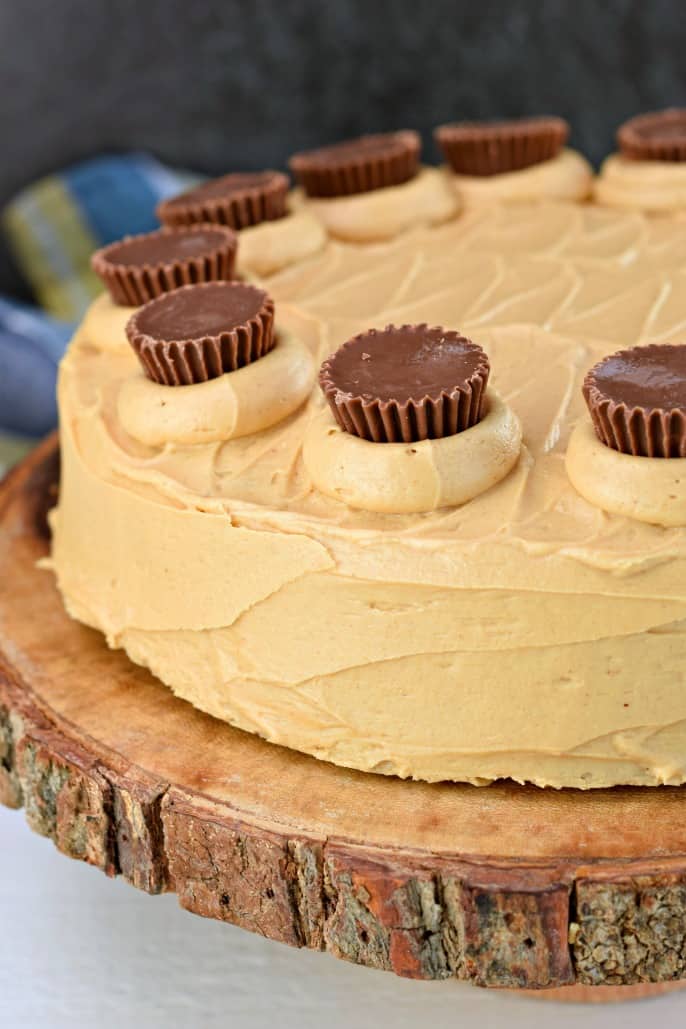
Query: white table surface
{"x": 80, "y": 951}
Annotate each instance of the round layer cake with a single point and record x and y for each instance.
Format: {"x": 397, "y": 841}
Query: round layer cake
{"x": 525, "y": 632}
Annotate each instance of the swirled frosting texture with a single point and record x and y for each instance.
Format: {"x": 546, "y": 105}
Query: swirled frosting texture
{"x": 657, "y": 187}
{"x": 566, "y": 177}
{"x": 526, "y": 633}
{"x": 239, "y": 403}
{"x": 650, "y": 490}
{"x": 427, "y": 199}
{"x": 413, "y": 478}
{"x": 272, "y": 245}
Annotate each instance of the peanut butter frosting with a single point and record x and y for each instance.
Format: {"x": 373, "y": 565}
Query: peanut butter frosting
{"x": 272, "y": 245}
{"x": 410, "y": 479}
{"x": 528, "y": 632}
{"x": 656, "y": 187}
{"x": 650, "y": 491}
{"x": 427, "y": 199}
{"x": 566, "y": 177}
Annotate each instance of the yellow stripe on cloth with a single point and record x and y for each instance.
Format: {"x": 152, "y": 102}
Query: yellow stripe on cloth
{"x": 54, "y": 245}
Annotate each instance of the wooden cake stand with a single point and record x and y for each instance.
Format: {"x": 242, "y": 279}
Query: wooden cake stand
{"x": 505, "y": 886}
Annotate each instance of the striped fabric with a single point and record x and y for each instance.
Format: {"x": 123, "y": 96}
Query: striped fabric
{"x": 12, "y": 450}
{"x": 52, "y": 228}
{"x": 31, "y": 344}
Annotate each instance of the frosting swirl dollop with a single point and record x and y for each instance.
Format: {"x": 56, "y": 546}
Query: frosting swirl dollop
{"x": 236, "y": 404}
{"x": 402, "y": 478}
{"x": 381, "y": 214}
{"x": 647, "y": 489}
{"x": 568, "y": 176}
{"x": 656, "y": 187}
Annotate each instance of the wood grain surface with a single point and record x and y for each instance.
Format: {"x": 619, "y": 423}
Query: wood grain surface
{"x": 505, "y": 886}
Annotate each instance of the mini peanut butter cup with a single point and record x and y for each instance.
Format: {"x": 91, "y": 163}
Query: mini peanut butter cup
{"x": 137, "y": 269}
{"x": 238, "y": 200}
{"x": 637, "y": 400}
{"x": 199, "y": 332}
{"x": 358, "y": 165}
{"x": 491, "y": 148}
{"x": 406, "y": 383}
{"x": 657, "y": 136}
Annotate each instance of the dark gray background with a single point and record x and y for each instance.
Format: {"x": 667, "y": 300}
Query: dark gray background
{"x": 229, "y": 85}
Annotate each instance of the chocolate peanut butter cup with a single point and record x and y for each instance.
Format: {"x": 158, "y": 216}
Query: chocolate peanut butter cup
{"x": 358, "y": 165}
{"x": 238, "y": 200}
{"x": 406, "y": 383}
{"x": 491, "y": 148}
{"x": 139, "y": 268}
{"x": 197, "y": 333}
{"x": 637, "y": 400}
{"x": 657, "y": 136}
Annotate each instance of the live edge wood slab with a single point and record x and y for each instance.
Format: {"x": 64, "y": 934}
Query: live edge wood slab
{"x": 504, "y": 886}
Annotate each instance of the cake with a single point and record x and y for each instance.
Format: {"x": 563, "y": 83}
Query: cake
{"x": 512, "y": 161}
{"x": 648, "y": 172}
{"x": 275, "y": 231}
{"x": 411, "y": 583}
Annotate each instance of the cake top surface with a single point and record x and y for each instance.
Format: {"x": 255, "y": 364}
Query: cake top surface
{"x": 547, "y": 290}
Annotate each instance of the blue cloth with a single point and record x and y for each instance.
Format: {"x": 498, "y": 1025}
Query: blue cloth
{"x": 31, "y": 344}
{"x": 52, "y": 227}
